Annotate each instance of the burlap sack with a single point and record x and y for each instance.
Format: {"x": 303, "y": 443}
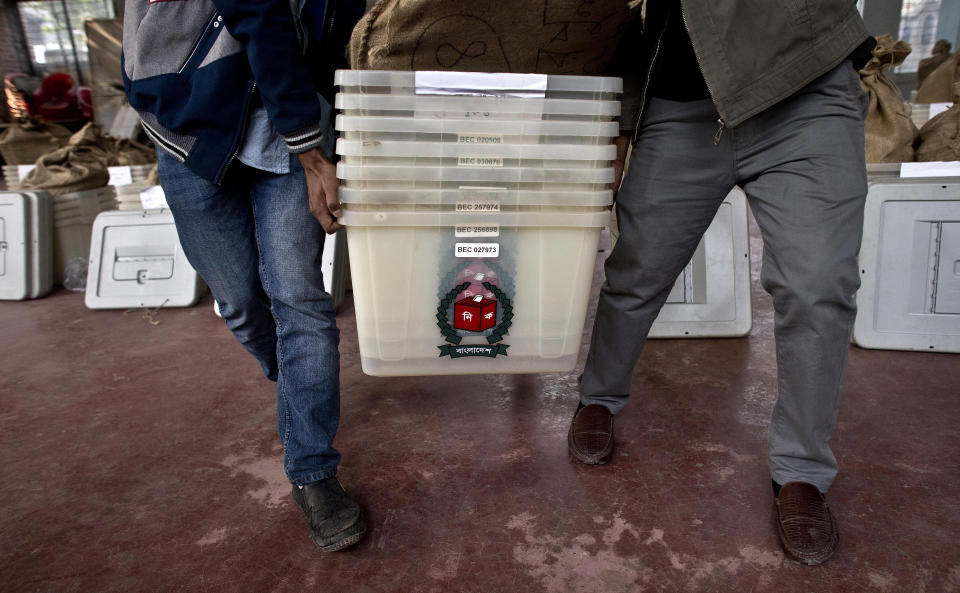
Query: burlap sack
{"x": 29, "y": 139}
{"x": 939, "y": 138}
{"x": 559, "y": 37}
{"x": 939, "y": 55}
{"x": 128, "y": 152}
{"x": 889, "y": 131}
{"x": 937, "y": 87}
{"x": 80, "y": 165}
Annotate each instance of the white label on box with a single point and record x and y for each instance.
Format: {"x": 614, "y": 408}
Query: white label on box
{"x": 482, "y": 84}
{"x": 478, "y": 206}
{"x": 938, "y": 108}
{"x": 153, "y": 198}
{"x": 480, "y": 161}
{"x": 930, "y": 169}
{"x": 477, "y": 250}
{"x": 477, "y": 230}
{"x": 480, "y": 138}
{"x": 23, "y": 171}
{"x": 120, "y": 176}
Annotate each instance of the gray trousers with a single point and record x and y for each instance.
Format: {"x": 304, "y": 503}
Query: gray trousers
{"x": 801, "y": 164}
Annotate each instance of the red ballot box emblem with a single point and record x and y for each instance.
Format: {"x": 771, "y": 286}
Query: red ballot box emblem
{"x": 475, "y": 314}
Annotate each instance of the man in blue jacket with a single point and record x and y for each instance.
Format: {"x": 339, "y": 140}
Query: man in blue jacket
{"x": 223, "y": 90}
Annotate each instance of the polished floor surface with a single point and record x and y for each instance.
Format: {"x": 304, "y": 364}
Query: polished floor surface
{"x": 139, "y": 456}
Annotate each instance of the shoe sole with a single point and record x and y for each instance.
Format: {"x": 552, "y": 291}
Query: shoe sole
{"x": 600, "y": 459}
{"x": 344, "y": 542}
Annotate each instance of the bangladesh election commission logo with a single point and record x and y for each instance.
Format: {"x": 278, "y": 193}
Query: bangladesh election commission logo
{"x": 482, "y": 310}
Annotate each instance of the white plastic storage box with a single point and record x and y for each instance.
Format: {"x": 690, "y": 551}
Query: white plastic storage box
{"x": 472, "y": 199}
{"x": 498, "y": 108}
{"x": 450, "y": 154}
{"x": 711, "y": 297}
{"x": 909, "y": 298}
{"x": 432, "y": 177}
{"x": 25, "y": 245}
{"x": 461, "y": 293}
{"x": 136, "y": 261}
{"x": 475, "y": 132}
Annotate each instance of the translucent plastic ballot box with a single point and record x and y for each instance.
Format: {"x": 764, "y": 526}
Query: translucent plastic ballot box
{"x": 466, "y": 292}
{"x": 136, "y": 261}
{"x": 909, "y": 298}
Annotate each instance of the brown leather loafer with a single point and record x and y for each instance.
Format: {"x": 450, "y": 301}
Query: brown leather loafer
{"x": 590, "y": 439}
{"x": 807, "y": 529}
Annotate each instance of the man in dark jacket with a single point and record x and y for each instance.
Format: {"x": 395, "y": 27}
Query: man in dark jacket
{"x": 764, "y": 95}
{"x": 244, "y": 138}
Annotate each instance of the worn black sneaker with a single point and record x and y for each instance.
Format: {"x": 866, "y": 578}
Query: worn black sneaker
{"x": 335, "y": 521}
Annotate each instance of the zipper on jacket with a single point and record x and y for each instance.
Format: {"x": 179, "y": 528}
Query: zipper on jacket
{"x": 328, "y": 30}
{"x": 243, "y": 132}
{"x": 646, "y": 85}
{"x": 696, "y": 54}
{"x": 196, "y": 45}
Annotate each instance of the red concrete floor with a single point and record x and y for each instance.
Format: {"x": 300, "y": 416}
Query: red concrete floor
{"x": 139, "y": 457}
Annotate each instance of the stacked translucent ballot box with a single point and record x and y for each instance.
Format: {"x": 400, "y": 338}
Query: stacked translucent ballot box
{"x": 473, "y": 205}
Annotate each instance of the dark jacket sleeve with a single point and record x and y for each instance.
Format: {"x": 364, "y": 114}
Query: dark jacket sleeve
{"x": 266, "y": 30}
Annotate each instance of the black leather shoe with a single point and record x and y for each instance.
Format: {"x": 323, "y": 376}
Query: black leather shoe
{"x": 335, "y": 521}
{"x": 806, "y": 527}
{"x": 590, "y": 439}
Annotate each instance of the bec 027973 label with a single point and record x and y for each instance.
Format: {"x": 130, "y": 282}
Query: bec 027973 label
{"x": 477, "y": 250}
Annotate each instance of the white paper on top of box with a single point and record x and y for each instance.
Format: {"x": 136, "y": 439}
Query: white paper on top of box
{"x": 120, "y": 176}
{"x": 136, "y": 261}
{"x": 396, "y": 79}
{"x": 930, "y": 169}
{"x": 153, "y": 198}
{"x": 482, "y": 84}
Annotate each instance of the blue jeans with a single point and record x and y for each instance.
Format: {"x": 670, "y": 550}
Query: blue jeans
{"x": 255, "y": 243}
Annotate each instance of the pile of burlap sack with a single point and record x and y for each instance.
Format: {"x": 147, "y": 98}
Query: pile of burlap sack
{"x": 67, "y": 163}
{"x": 891, "y": 136}
{"x": 559, "y": 37}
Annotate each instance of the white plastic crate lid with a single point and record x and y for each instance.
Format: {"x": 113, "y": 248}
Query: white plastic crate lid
{"x": 898, "y": 305}
{"x": 474, "y": 174}
{"x": 136, "y": 261}
{"x": 475, "y": 199}
{"x": 536, "y": 127}
{"x": 407, "y": 79}
{"x": 494, "y": 106}
{"x": 15, "y": 246}
{"x": 390, "y": 148}
{"x": 398, "y": 218}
